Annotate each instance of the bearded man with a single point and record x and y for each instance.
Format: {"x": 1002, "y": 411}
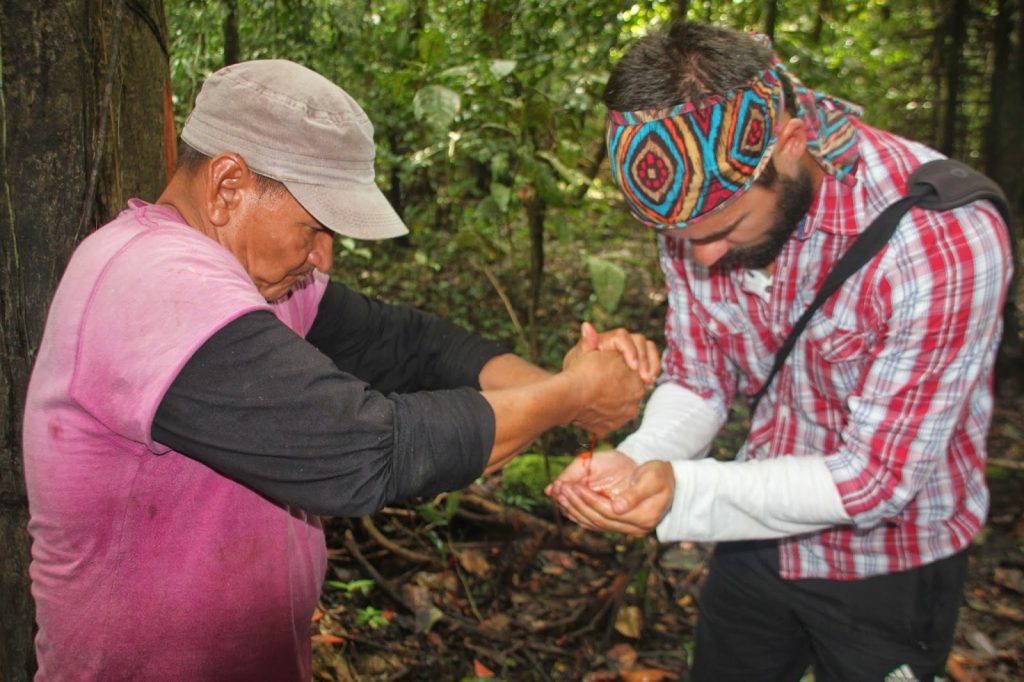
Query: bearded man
{"x": 844, "y": 522}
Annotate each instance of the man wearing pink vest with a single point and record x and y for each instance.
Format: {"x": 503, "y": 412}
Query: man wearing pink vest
{"x": 203, "y": 392}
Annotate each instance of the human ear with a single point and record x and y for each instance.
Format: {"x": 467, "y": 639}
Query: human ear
{"x": 227, "y": 175}
{"x": 790, "y": 146}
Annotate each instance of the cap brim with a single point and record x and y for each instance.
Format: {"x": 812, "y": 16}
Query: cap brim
{"x": 362, "y": 212}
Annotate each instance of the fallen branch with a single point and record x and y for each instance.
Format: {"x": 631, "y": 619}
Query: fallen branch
{"x": 383, "y": 541}
{"x": 1006, "y": 463}
{"x": 353, "y": 548}
{"x": 455, "y": 621}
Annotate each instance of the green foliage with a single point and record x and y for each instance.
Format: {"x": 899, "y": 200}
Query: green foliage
{"x": 372, "y": 616}
{"x": 609, "y": 282}
{"x": 484, "y": 111}
{"x": 440, "y": 515}
{"x": 525, "y": 477}
{"x": 361, "y": 586}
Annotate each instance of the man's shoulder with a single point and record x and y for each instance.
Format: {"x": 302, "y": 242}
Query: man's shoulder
{"x": 147, "y": 231}
{"x": 888, "y": 159}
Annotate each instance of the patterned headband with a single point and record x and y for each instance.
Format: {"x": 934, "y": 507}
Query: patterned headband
{"x": 678, "y": 164}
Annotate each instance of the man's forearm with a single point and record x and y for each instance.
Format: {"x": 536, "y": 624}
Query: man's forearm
{"x": 508, "y": 371}
{"x": 677, "y": 424}
{"x": 755, "y": 500}
{"x": 597, "y": 392}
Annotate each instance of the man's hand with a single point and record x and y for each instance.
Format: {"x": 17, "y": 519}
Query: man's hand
{"x": 621, "y": 496}
{"x": 606, "y": 390}
{"x": 639, "y": 352}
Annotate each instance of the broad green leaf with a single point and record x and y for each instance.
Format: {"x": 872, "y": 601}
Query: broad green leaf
{"x": 460, "y": 71}
{"x": 502, "y": 67}
{"x": 609, "y": 281}
{"x": 501, "y": 194}
{"x": 436, "y": 106}
{"x": 568, "y": 174}
{"x": 433, "y": 46}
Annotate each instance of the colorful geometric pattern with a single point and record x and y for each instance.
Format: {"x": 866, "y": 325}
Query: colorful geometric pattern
{"x": 828, "y": 120}
{"x": 680, "y": 163}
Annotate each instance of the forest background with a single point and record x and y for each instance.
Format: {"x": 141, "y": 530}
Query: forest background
{"x": 490, "y": 145}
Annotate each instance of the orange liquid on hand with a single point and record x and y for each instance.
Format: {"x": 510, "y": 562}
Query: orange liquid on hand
{"x": 587, "y": 457}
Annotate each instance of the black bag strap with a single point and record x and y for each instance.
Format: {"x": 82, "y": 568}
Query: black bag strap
{"x": 939, "y": 185}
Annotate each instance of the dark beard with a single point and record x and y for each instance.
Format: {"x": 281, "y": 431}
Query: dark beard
{"x": 795, "y": 197}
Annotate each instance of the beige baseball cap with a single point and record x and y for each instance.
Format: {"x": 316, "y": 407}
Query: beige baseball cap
{"x": 293, "y": 125}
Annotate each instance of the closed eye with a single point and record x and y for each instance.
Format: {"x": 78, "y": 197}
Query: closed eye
{"x": 721, "y": 234}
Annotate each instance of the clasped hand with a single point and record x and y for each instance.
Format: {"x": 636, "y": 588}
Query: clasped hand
{"x": 610, "y": 371}
{"x": 612, "y": 493}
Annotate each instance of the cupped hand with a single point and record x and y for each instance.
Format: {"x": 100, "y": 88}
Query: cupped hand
{"x": 639, "y": 352}
{"x": 619, "y": 495}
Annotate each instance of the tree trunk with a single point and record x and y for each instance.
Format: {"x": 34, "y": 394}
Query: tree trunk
{"x": 993, "y": 133}
{"x": 680, "y": 10}
{"x": 82, "y": 114}
{"x": 536, "y": 213}
{"x": 1003, "y": 149}
{"x": 954, "y": 37}
{"x": 232, "y": 44}
{"x": 771, "y": 18}
{"x": 824, "y": 9}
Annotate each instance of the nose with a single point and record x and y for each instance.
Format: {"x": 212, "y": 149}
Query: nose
{"x": 709, "y": 253}
{"x": 322, "y": 254}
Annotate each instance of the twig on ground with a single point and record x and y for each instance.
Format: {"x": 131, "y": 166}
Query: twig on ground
{"x": 383, "y": 541}
{"x": 1006, "y": 463}
{"x": 465, "y": 585}
{"x": 565, "y": 622}
{"x": 385, "y": 584}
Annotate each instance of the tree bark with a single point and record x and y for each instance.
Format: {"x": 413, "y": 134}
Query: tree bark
{"x": 954, "y": 38}
{"x": 993, "y": 133}
{"x": 1003, "y": 148}
{"x": 232, "y": 43}
{"x": 81, "y": 107}
{"x": 824, "y": 9}
{"x": 771, "y": 18}
{"x": 680, "y": 10}
{"x": 536, "y": 213}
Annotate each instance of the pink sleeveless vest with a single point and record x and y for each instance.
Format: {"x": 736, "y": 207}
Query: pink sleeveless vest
{"x": 147, "y": 565}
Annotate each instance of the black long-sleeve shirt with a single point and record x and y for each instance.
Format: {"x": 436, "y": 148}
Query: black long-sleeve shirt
{"x": 377, "y": 404}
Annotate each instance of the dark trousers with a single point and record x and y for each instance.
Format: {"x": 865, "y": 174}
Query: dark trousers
{"x": 753, "y": 625}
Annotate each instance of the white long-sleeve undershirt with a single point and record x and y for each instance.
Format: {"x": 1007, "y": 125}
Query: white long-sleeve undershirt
{"x": 717, "y": 501}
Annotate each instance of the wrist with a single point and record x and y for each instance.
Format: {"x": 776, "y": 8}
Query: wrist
{"x": 677, "y": 424}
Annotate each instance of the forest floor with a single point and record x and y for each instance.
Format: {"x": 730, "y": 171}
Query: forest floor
{"x": 467, "y": 587}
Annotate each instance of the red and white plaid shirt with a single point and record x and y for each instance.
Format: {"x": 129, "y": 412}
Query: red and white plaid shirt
{"x": 891, "y": 380}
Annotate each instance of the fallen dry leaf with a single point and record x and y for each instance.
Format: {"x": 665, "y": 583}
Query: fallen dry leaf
{"x": 474, "y": 562}
{"x": 481, "y": 670}
{"x": 629, "y": 622}
{"x": 623, "y": 655}
{"x": 498, "y": 623}
{"x": 958, "y": 671}
{"x": 327, "y": 639}
{"x": 646, "y": 675}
